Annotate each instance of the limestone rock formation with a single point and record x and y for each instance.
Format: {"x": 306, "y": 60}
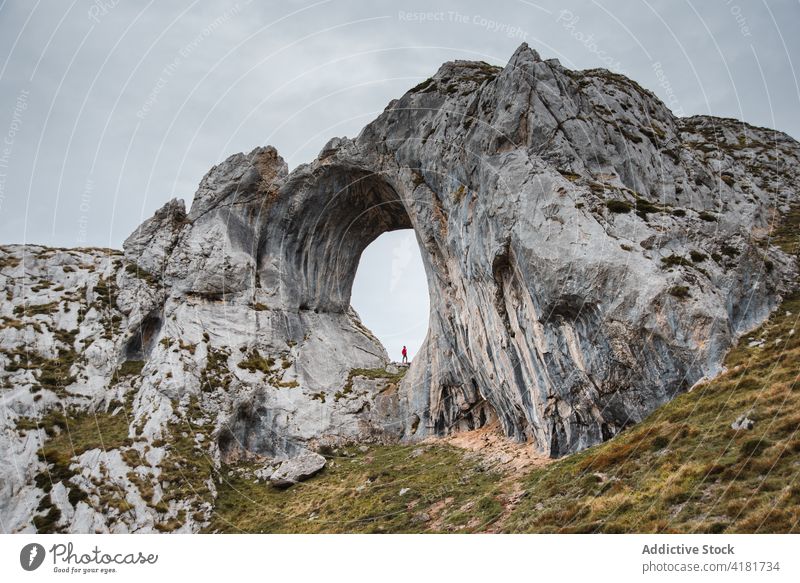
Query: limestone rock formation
{"x": 299, "y": 468}
{"x": 589, "y": 256}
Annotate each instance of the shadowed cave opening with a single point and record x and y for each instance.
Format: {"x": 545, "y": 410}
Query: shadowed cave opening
{"x": 348, "y": 210}
{"x": 390, "y": 292}
{"x": 140, "y": 344}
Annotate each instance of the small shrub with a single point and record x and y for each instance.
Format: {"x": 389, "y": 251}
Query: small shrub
{"x": 619, "y": 206}
{"x": 255, "y": 362}
{"x": 644, "y": 207}
{"x": 675, "y": 260}
{"x": 138, "y": 272}
{"x": 660, "y": 442}
{"x": 76, "y": 495}
{"x": 707, "y": 216}
{"x": 286, "y": 384}
{"x": 697, "y": 256}
{"x": 571, "y": 176}
{"x": 424, "y": 87}
{"x": 48, "y": 523}
{"x": 754, "y": 447}
{"x": 679, "y": 291}
{"x": 729, "y": 250}
{"x": 130, "y": 368}
{"x": 678, "y": 213}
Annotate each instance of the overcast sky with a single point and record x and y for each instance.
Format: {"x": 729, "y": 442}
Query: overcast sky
{"x": 112, "y": 107}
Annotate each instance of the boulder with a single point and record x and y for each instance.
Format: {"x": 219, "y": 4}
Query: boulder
{"x": 742, "y": 423}
{"x": 301, "y": 467}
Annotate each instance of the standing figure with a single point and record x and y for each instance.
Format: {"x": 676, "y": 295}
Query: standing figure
{"x": 405, "y": 355}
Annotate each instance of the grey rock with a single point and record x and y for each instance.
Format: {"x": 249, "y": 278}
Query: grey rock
{"x": 301, "y": 467}
{"x": 742, "y": 422}
{"x": 265, "y": 473}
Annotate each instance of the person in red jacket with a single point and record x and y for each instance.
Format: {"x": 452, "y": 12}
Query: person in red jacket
{"x": 405, "y": 355}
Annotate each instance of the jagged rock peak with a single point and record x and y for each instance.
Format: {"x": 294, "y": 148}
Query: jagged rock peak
{"x": 240, "y": 176}
{"x": 524, "y": 56}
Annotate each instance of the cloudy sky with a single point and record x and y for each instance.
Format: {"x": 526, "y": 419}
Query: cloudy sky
{"x": 111, "y": 107}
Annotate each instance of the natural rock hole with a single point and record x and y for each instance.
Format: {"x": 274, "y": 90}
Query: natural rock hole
{"x": 390, "y": 292}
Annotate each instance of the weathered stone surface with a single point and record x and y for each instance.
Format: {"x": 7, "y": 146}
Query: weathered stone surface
{"x": 742, "y": 422}
{"x": 589, "y": 256}
{"x": 301, "y": 467}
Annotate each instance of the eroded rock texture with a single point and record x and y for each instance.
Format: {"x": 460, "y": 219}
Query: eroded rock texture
{"x": 588, "y": 256}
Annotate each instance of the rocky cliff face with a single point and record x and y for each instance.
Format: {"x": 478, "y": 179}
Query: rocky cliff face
{"x": 588, "y": 255}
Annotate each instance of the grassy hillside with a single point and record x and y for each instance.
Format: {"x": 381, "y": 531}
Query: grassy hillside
{"x": 683, "y": 469}
{"x": 383, "y": 489}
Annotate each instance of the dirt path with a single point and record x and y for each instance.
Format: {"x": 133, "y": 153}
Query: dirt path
{"x": 511, "y": 459}
{"x": 500, "y": 452}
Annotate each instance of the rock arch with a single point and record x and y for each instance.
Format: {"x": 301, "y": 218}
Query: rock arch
{"x": 343, "y": 210}
{"x": 549, "y": 311}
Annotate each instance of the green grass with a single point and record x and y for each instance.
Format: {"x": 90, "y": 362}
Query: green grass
{"x": 785, "y": 233}
{"x": 368, "y": 373}
{"x": 130, "y": 368}
{"x": 8, "y": 262}
{"x": 68, "y": 434}
{"x": 645, "y": 207}
{"x": 360, "y": 492}
{"x": 29, "y": 310}
{"x": 255, "y": 362}
{"x": 53, "y": 373}
{"x": 186, "y": 469}
{"x": 424, "y": 87}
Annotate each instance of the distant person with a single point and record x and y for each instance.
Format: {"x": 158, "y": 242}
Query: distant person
{"x": 405, "y": 355}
